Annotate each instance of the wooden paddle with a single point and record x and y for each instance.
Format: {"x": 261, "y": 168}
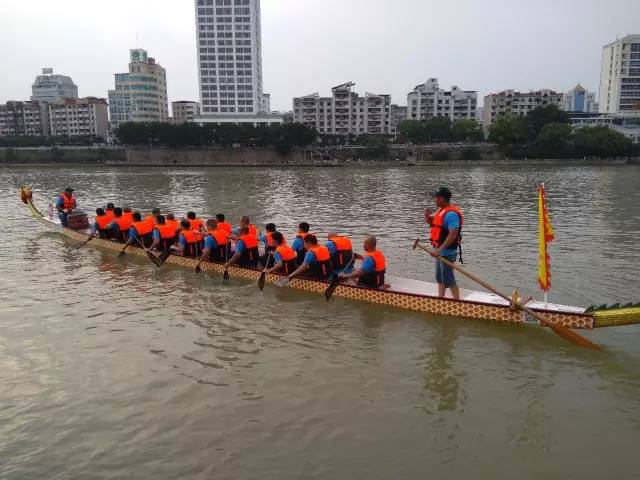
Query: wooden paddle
{"x": 225, "y": 275}
{"x": 149, "y": 254}
{"x": 328, "y": 293}
{"x": 87, "y": 241}
{"x": 263, "y": 275}
{"x": 198, "y": 269}
{"x": 564, "y": 332}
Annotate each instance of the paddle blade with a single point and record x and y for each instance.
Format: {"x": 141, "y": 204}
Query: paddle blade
{"x": 225, "y": 275}
{"x": 573, "y": 337}
{"x": 198, "y": 269}
{"x": 328, "y": 293}
{"x": 283, "y": 282}
{"x": 263, "y": 277}
{"x": 163, "y": 257}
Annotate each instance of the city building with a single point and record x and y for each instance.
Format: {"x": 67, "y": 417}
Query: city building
{"x": 141, "y": 94}
{"x": 266, "y": 103}
{"x": 345, "y": 112}
{"x": 517, "y": 104}
{"x": 579, "y": 100}
{"x": 51, "y": 88}
{"x": 428, "y": 101}
{"x": 184, "y": 111}
{"x": 74, "y": 117}
{"x": 229, "y": 43}
{"x": 398, "y": 115}
{"x": 620, "y": 77}
{"x": 23, "y": 119}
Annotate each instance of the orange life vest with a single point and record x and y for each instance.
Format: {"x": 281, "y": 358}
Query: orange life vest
{"x": 253, "y": 230}
{"x": 322, "y": 268}
{"x": 193, "y": 239}
{"x": 271, "y": 244}
{"x": 289, "y": 257}
{"x": 221, "y": 237}
{"x": 168, "y": 234}
{"x": 250, "y": 254}
{"x": 123, "y": 223}
{"x": 109, "y": 214}
{"x": 374, "y": 279}
{"x": 143, "y": 230}
{"x": 344, "y": 252}
{"x": 128, "y": 216}
{"x": 303, "y": 250}
{"x": 175, "y": 224}
{"x": 103, "y": 222}
{"x": 69, "y": 202}
{"x": 196, "y": 224}
{"x": 225, "y": 227}
{"x": 439, "y": 232}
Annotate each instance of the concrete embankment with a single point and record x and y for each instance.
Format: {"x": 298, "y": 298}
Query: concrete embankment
{"x": 436, "y": 155}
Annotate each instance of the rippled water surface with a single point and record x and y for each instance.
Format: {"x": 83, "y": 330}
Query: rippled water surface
{"x": 112, "y": 369}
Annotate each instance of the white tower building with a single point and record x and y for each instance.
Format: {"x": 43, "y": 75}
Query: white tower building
{"x": 229, "y": 58}
{"x": 620, "y": 77}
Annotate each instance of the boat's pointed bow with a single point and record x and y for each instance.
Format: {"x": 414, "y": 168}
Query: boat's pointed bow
{"x": 26, "y": 194}
{"x": 615, "y": 315}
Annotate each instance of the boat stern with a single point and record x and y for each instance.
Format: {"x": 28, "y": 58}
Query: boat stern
{"x": 615, "y": 315}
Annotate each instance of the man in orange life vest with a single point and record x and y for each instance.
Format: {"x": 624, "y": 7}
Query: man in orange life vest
{"x": 140, "y": 231}
{"x": 317, "y": 260}
{"x": 195, "y": 222}
{"x": 374, "y": 266}
{"x": 164, "y": 234}
{"x": 216, "y": 243}
{"x": 245, "y": 222}
{"x": 223, "y": 224}
{"x": 446, "y": 225}
{"x": 341, "y": 251}
{"x": 266, "y": 237}
{"x": 298, "y": 242}
{"x": 120, "y": 225}
{"x": 109, "y": 211}
{"x": 284, "y": 257}
{"x": 65, "y": 203}
{"x": 188, "y": 243}
{"x": 101, "y": 225}
{"x": 246, "y": 253}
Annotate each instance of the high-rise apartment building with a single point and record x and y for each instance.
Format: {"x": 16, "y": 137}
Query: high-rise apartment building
{"x": 428, "y": 101}
{"x": 579, "y": 99}
{"x": 517, "y": 104}
{"x": 345, "y": 112}
{"x": 141, "y": 94}
{"x": 74, "y": 117}
{"x": 620, "y": 77}
{"x": 51, "y": 88}
{"x": 230, "y": 57}
{"x": 23, "y": 119}
{"x": 398, "y": 115}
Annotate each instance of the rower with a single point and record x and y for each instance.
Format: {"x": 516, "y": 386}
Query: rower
{"x": 109, "y": 211}
{"x": 223, "y": 224}
{"x": 170, "y": 219}
{"x": 298, "y": 242}
{"x": 266, "y": 237}
{"x": 153, "y": 218}
{"x": 140, "y": 231}
{"x": 374, "y": 265}
{"x": 341, "y": 251}
{"x": 246, "y": 253}
{"x": 284, "y": 257}
{"x": 188, "y": 243}
{"x": 446, "y": 225}
{"x": 65, "y": 203}
{"x": 127, "y": 214}
{"x": 317, "y": 260}
{"x": 120, "y": 225}
{"x": 245, "y": 222}
{"x": 195, "y": 222}
{"x": 164, "y": 234}
{"x": 216, "y": 243}
{"x": 101, "y": 225}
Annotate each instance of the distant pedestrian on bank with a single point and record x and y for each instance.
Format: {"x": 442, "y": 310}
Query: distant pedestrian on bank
{"x": 445, "y": 235}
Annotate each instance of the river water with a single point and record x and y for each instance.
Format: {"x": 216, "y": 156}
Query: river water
{"x": 110, "y": 368}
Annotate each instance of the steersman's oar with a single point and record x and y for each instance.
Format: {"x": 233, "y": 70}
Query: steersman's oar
{"x": 564, "y": 332}
{"x": 328, "y": 293}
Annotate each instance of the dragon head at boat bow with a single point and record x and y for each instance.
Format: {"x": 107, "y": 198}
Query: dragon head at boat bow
{"x": 26, "y": 194}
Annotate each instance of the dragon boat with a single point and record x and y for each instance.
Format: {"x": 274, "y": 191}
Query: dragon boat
{"x": 402, "y": 293}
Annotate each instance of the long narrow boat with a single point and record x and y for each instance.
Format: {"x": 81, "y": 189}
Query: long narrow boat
{"x": 403, "y": 293}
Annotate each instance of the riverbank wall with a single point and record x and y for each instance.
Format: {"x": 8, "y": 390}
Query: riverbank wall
{"x": 432, "y": 155}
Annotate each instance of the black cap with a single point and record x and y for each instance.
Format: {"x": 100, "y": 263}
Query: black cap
{"x": 443, "y": 192}
{"x": 68, "y": 189}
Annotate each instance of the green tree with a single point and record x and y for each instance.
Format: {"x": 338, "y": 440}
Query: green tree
{"x": 555, "y": 140}
{"x": 541, "y": 116}
{"x": 601, "y": 141}
{"x": 508, "y": 130}
{"x": 466, "y": 130}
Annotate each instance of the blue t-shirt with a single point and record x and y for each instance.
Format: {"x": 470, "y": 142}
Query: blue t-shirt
{"x": 182, "y": 241}
{"x": 240, "y": 246}
{"x": 210, "y": 242}
{"x": 263, "y": 238}
{"x": 310, "y": 258}
{"x": 156, "y": 234}
{"x": 332, "y": 247}
{"x": 369, "y": 265}
{"x": 133, "y": 234}
{"x": 59, "y": 201}
{"x": 277, "y": 258}
{"x": 451, "y": 220}
{"x": 297, "y": 244}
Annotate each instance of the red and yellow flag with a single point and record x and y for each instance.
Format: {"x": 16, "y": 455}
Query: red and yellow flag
{"x": 545, "y": 236}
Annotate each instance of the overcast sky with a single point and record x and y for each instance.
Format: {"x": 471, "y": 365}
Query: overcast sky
{"x": 385, "y": 46}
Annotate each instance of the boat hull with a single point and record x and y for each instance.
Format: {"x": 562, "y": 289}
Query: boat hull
{"x": 415, "y": 302}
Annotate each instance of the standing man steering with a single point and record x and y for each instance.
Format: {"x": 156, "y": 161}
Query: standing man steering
{"x": 65, "y": 204}
{"x": 446, "y": 227}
